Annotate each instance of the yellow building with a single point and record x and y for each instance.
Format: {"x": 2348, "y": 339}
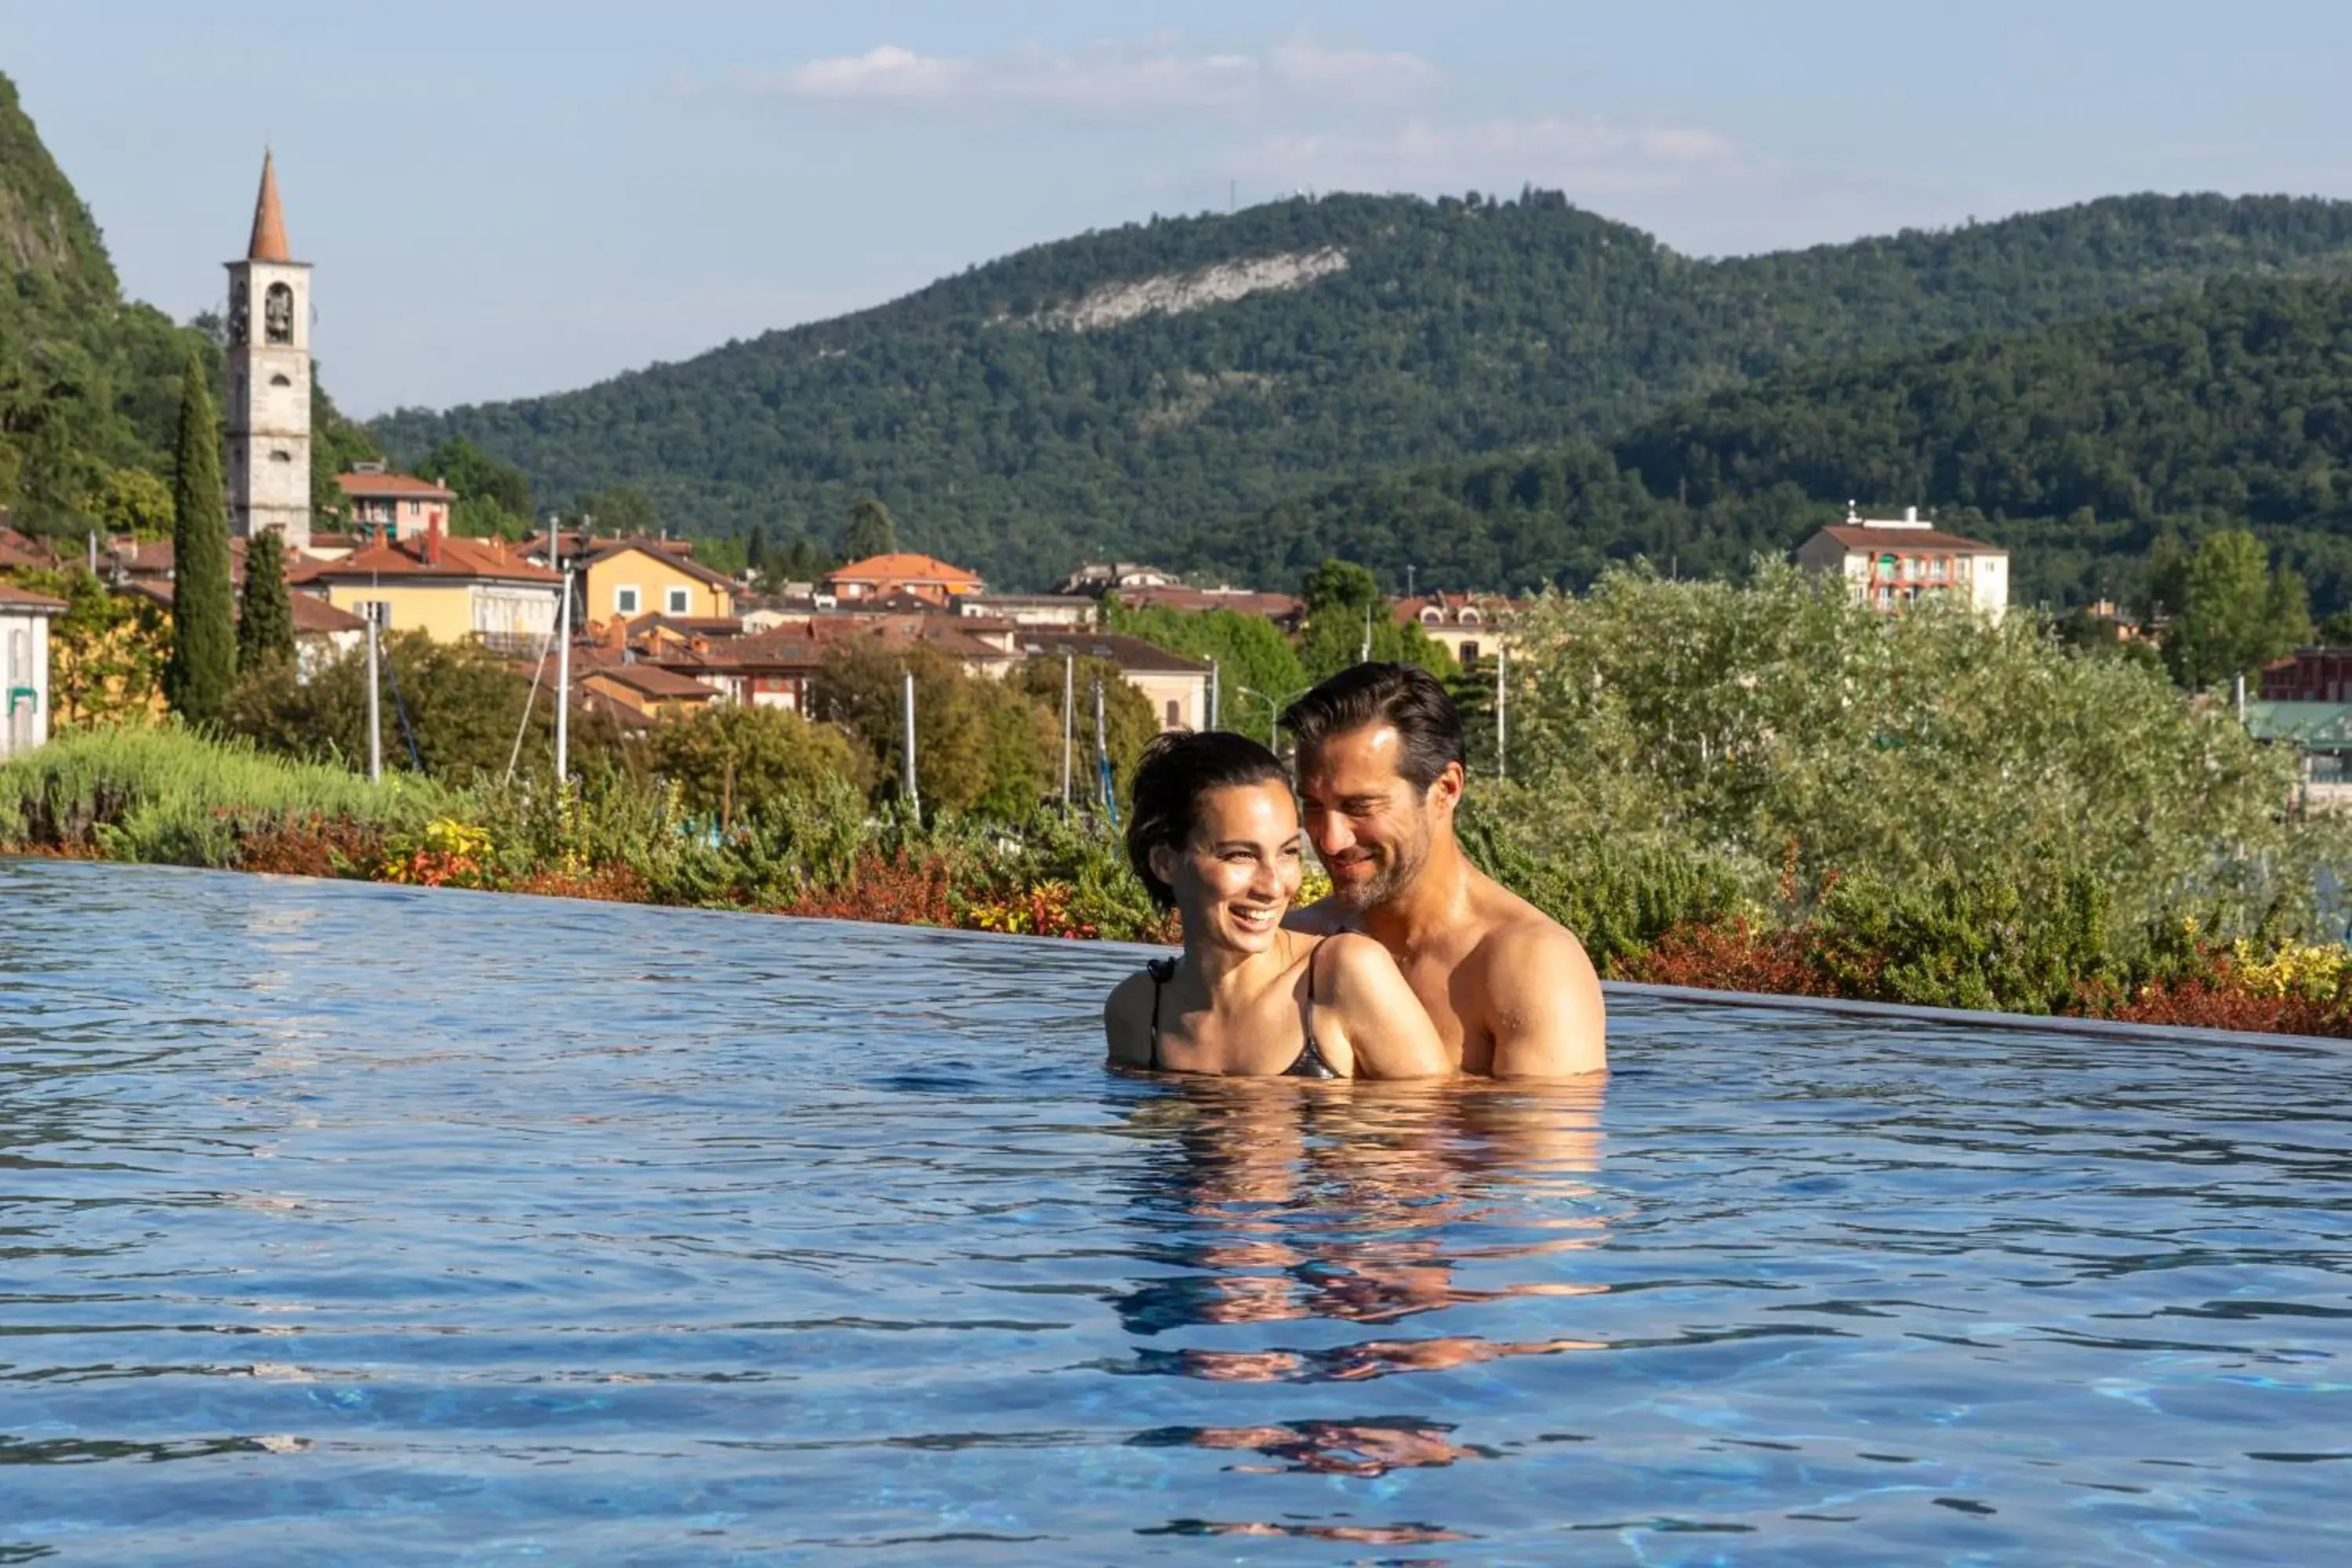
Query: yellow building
{"x": 452, "y": 590}
{"x": 627, "y": 578}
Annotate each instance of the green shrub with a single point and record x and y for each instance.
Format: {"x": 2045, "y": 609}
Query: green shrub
{"x": 166, "y": 794}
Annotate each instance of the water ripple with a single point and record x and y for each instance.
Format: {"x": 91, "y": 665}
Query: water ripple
{"x": 369, "y": 1224}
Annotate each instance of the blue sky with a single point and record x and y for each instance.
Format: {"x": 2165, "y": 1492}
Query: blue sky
{"x": 505, "y": 198}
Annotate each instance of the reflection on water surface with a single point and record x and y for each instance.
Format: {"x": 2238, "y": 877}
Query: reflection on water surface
{"x": 348, "y": 1224}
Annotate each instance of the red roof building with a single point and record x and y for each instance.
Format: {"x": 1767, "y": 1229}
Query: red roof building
{"x": 921, "y": 577}
{"x": 388, "y": 506}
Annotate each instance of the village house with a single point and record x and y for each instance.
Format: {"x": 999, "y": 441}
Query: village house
{"x": 1284, "y": 610}
{"x": 1066, "y": 610}
{"x": 2309, "y": 675}
{"x": 25, "y": 618}
{"x": 1467, "y": 626}
{"x": 626, "y": 578}
{"x": 452, "y": 590}
{"x": 1096, "y": 578}
{"x": 775, "y": 668}
{"x": 1893, "y": 563}
{"x": 384, "y": 506}
{"x": 647, "y": 691}
{"x": 877, "y": 577}
{"x": 322, "y": 634}
{"x": 1176, "y": 686}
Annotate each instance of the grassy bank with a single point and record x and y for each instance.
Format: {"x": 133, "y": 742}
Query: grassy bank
{"x": 1944, "y": 936}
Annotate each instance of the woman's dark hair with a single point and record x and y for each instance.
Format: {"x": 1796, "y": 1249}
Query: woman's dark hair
{"x": 1179, "y": 768}
{"x": 1405, "y": 697}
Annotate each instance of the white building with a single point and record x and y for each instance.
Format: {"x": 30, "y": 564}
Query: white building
{"x": 24, "y": 668}
{"x": 269, "y": 379}
{"x": 1893, "y": 563}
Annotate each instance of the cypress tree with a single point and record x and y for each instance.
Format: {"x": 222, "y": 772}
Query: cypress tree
{"x": 203, "y": 608}
{"x": 265, "y": 617}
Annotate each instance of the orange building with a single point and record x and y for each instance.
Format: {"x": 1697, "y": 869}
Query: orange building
{"x": 386, "y": 505}
{"x": 915, "y": 576}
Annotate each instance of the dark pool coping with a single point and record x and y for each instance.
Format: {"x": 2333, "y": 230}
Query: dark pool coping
{"x": 1949, "y": 1017}
{"x": 1963, "y": 1017}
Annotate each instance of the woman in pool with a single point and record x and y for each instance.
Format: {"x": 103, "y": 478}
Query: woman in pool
{"x": 1214, "y": 832}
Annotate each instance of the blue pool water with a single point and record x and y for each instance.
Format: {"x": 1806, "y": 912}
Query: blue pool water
{"x": 365, "y": 1224}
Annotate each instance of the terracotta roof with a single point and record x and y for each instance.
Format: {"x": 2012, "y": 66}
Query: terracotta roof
{"x": 653, "y": 681}
{"x": 1449, "y": 607}
{"x": 19, "y": 600}
{"x": 1896, "y": 541}
{"x": 21, "y": 550}
{"x": 402, "y": 487}
{"x": 804, "y": 644}
{"x": 903, "y": 566}
{"x": 314, "y": 615}
{"x": 665, "y": 552}
{"x": 268, "y": 242}
{"x": 1245, "y": 601}
{"x": 1127, "y": 653}
{"x": 461, "y": 560}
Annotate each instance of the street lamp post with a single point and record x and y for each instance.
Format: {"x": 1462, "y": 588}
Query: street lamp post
{"x": 1274, "y": 707}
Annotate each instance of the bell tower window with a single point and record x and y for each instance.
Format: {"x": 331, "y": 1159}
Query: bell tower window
{"x": 277, "y": 314}
{"x": 240, "y": 312}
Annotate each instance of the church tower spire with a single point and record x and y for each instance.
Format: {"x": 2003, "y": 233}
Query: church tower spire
{"x": 268, "y": 243}
{"x": 269, "y": 378}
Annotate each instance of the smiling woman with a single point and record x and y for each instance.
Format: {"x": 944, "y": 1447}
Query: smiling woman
{"x": 1213, "y": 833}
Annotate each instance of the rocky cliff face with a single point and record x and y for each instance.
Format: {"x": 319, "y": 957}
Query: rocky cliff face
{"x": 44, "y": 230}
{"x": 1175, "y": 293}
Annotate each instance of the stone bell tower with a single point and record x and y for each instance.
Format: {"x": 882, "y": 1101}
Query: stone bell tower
{"x": 269, "y": 379}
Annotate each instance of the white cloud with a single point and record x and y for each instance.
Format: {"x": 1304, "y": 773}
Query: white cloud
{"x": 887, "y": 72}
{"x": 1158, "y": 75}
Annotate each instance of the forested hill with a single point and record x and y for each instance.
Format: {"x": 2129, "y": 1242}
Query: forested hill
{"x": 2075, "y": 445}
{"x": 1106, "y": 393}
{"x": 88, "y": 385}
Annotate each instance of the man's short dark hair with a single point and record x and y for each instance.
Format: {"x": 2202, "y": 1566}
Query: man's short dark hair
{"x": 1404, "y": 696}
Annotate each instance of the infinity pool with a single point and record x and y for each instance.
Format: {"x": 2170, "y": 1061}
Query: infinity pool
{"x": 353, "y": 1223}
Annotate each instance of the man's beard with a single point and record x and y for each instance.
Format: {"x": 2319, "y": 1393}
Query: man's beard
{"x": 1395, "y": 874}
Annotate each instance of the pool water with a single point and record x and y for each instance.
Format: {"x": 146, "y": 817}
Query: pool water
{"x": 353, "y": 1223}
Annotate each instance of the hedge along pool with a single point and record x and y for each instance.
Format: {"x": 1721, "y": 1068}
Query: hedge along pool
{"x": 364, "y": 1224}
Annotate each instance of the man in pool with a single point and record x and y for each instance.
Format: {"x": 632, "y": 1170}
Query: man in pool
{"x": 1380, "y": 777}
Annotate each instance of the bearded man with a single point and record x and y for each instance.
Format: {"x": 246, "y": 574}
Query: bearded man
{"x": 1379, "y": 778}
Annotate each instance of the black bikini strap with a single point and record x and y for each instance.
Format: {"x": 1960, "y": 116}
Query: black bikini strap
{"x": 1162, "y": 971}
{"x": 1307, "y": 1008}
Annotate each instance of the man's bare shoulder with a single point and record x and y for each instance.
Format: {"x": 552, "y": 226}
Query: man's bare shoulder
{"x": 1543, "y": 996}
{"x": 1323, "y": 917}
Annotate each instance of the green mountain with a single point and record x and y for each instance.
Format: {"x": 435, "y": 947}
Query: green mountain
{"x": 2075, "y": 445}
{"x": 1110, "y": 392}
{"x": 88, "y": 385}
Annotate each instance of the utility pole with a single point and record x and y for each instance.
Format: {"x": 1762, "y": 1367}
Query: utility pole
{"x": 1502, "y": 718}
{"x": 907, "y": 702}
{"x": 1102, "y": 752}
{"x": 375, "y": 706}
{"x": 1069, "y": 717}
{"x": 1366, "y": 656}
{"x": 564, "y": 681}
{"x": 1408, "y": 580}
{"x": 1213, "y": 694}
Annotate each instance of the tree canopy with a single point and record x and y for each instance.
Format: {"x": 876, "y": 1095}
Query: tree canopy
{"x": 1013, "y": 432}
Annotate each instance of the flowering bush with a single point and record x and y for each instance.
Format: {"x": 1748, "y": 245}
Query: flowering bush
{"x": 447, "y": 853}
{"x": 1041, "y": 911}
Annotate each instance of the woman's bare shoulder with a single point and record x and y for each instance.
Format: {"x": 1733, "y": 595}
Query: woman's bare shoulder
{"x": 1127, "y": 1018}
{"x": 1349, "y": 958}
